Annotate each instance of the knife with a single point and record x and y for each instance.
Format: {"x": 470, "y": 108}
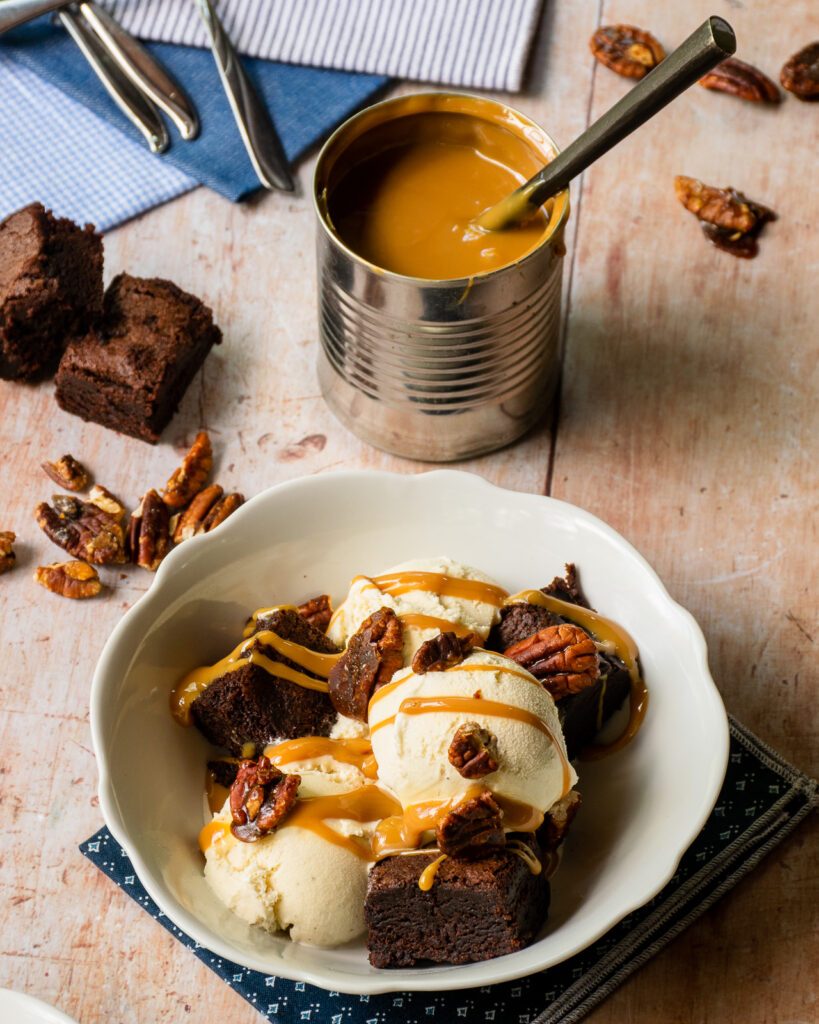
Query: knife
{"x": 17, "y": 12}
{"x": 139, "y": 110}
{"x": 252, "y": 118}
{"x": 143, "y": 69}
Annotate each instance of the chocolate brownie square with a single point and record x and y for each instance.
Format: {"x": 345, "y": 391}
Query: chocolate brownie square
{"x": 476, "y": 909}
{"x": 252, "y": 705}
{"x": 131, "y": 371}
{"x": 50, "y": 289}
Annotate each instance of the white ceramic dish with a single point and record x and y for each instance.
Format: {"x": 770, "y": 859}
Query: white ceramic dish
{"x": 19, "y": 1008}
{"x": 642, "y": 807}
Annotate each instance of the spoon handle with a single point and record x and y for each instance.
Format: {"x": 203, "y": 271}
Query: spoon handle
{"x": 711, "y": 43}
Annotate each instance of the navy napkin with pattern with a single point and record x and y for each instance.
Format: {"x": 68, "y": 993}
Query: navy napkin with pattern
{"x": 762, "y": 800}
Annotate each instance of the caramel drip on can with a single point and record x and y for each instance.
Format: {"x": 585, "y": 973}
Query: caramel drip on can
{"x": 605, "y": 630}
{"x": 354, "y": 751}
{"x": 199, "y": 679}
{"x": 427, "y": 877}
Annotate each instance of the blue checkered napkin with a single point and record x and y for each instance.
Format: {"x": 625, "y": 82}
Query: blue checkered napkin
{"x": 763, "y": 799}
{"x": 56, "y": 151}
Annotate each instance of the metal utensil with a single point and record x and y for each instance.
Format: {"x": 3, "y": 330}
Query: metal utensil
{"x": 147, "y": 74}
{"x": 139, "y": 110}
{"x": 18, "y": 12}
{"x": 712, "y": 42}
{"x": 252, "y": 118}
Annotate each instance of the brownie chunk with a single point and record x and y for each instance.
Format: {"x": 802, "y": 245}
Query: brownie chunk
{"x": 250, "y": 705}
{"x": 131, "y": 371}
{"x": 475, "y": 910}
{"x": 517, "y": 622}
{"x": 581, "y": 714}
{"x": 50, "y": 289}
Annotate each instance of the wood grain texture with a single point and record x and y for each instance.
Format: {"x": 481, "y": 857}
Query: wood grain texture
{"x": 686, "y": 419}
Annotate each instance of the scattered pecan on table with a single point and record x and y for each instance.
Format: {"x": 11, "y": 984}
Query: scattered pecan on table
{"x": 441, "y": 652}
{"x": 742, "y": 80}
{"x": 188, "y": 479}
{"x": 473, "y": 827}
{"x": 473, "y": 751}
{"x": 7, "y": 556}
{"x": 190, "y": 522}
{"x": 800, "y": 74}
{"x": 82, "y": 529}
{"x": 76, "y": 580}
{"x": 317, "y": 611}
{"x": 729, "y": 220}
{"x": 149, "y": 534}
{"x": 261, "y": 797}
{"x": 67, "y": 472}
{"x": 626, "y": 49}
{"x": 563, "y": 657}
{"x": 223, "y": 508}
{"x": 105, "y": 500}
{"x": 374, "y": 653}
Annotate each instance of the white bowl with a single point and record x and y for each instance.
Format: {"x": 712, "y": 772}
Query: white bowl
{"x": 642, "y": 807}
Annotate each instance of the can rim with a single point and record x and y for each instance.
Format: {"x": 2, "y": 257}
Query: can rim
{"x": 430, "y": 282}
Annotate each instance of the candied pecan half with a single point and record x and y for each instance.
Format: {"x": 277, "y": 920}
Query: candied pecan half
{"x": 261, "y": 797}
{"x": 558, "y": 819}
{"x": 473, "y": 751}
{"x": 443, "y": 651}
{"x": 223, "y": 508}
{"x": 67, "y": 473}
{"x": 104, "y": 499}
{"x": 729, "y": 219}
{"x": 7, "y": 556}
{"x": 317, "y": 611}
{"x": 743, "y": 80}
{"x": 192, "y": 520}
{"x": 77, "y": 580}
{"x": 373, "y": 654}
{"x": 149, "y": 532}
{"x": 472, "y": 828}
{"x": 800, "y": 74}
{"x": 82, "y": 529}
{"x": 626, "y": 49}
{"x": 563, "y": 657}
{"x": 188, "y": 479}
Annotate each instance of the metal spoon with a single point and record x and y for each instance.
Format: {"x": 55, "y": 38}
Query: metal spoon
{"x": 713, "y": 41}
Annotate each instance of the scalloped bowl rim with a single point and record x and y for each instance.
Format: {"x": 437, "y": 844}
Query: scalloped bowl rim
{"x": 505, "y": 968}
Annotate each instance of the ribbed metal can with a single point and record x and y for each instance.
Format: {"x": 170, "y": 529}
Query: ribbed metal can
{"x": 437, "y": 370}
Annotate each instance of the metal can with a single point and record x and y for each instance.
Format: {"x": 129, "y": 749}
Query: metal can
{"x": 437, "y": 370}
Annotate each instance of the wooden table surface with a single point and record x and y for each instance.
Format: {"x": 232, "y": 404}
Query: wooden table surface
{"x": 686, "y": 415}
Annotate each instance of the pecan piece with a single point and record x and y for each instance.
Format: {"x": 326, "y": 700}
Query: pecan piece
{"x": 104, "y": 499}
{"x": 626, "y": 49}
{"x": 82, "y": 529}
{"x": 219, "y": 512}
{"x": 373, "y": 654}
{"x": 473, "y": 751}
{"x": 800, "y": 74}
{"x": 558, "y": 819}
{"x": 188, "y": 479}
{"x": 149, "y": 532}
{"x": 7, "y": 556}
{"x": 261, "y": 797}
{"x": 67, "y": 473}
{"x": 473, "y": 827}
{"x": 77, "y": 580}
{"x": 563, "y": 657}
{"x": 317, "y": 611}
{"x": 441, "y": 652}
{"x": 729, "y": 219}
{"x": 192, "y": 520}
{"x": 743, "y": 80}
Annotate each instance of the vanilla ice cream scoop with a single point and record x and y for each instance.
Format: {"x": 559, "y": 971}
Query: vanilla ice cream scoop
{"x": 430, "y": 595}
{"x": 310, "y": 882}
{"x": 414, "y": 718}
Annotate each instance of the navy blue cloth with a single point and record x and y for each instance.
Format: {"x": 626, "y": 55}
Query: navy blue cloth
{"x": 763, "y": 799}
{"x": 305, "y": 103}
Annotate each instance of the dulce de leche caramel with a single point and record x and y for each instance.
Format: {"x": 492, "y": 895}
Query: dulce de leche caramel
{"x": 412, "y": 188}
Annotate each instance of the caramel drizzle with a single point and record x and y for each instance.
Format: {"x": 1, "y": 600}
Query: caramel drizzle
{"x": 427, "y": 877}
{"x": 415, "y": 620}
{"x": 625, "y": 647}
{"x": 216, "y": 793}
{"x": 212, "y": 831}
{"x": 526, "y": 854}
{"x": 251, "y": 624}
{"x": 480, "y": 707}
{"x": 397, "y": 583}
{"x": 354, "y": 751}
{"x": 198, "y": 680}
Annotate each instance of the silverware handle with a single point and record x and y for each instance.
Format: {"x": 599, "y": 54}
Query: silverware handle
{"x": 18, "y": 12}
{"x": 143, "y": 69}
{"x": 255, "y": 125}
{"x": 139, "y": 111}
